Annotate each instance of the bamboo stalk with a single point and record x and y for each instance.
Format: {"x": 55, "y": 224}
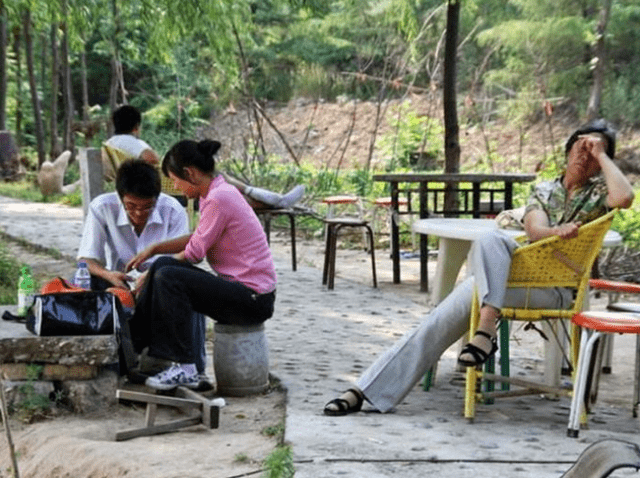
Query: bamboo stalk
{"x": 7, "y": 429}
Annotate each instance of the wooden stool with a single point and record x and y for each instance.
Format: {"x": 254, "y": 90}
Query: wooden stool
{"x": 333, "y": 228}
{"x": 207, "y": 413}
{"x": 594, "y": 324}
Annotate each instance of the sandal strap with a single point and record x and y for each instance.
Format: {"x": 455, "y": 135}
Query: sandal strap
{"x": 485, "y": 334}
{"x": 479, "y": 355}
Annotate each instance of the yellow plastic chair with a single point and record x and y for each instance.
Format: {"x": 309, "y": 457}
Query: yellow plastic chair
{"x": 113, "y": 157}
{"x": 550, "y": 262}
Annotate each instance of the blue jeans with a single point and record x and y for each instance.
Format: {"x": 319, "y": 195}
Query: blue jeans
{"x": 164, "y": 316}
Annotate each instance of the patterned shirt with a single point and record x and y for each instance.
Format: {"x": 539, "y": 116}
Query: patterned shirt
{"x": 587, "y": 204}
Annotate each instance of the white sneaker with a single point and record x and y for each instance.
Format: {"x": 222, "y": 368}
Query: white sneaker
{"x": 172, "y": 377}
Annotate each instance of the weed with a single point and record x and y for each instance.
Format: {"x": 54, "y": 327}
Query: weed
{"x": 274, "y": 430}
{"x": 9, "y": 274}
{"x": 279, "y": 464}
{"x": 33, "y": 405}
{"x": 241, "y": 458}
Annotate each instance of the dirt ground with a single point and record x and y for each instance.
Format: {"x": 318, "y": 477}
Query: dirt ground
{"x": 339, "y": 135}
{"x": 68, "y": 445}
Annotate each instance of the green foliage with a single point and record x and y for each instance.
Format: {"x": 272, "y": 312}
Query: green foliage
{"x": 412, "y": 138}
{"x": 241, "y": 458}
{"x": 33, "y": 405}
{"x": 274, "y": 430}
{"x": 627, "y": 223}
{"x": 25, "y": 190}
{"x": 621, "y": 100}
{"x": 9, "y": 275}
{"x": 279, "y": 464}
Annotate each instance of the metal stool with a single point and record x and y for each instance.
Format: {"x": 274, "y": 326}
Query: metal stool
{"x": 385, "y": 202}
{"x": 333, "y": 227}
{"x": 267, "y": 214}
{"x": 594, "y": 324}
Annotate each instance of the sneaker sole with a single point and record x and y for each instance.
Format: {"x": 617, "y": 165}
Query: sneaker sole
{"x": 159, "y": 386}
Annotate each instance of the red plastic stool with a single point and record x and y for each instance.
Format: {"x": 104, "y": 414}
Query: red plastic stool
{"x": 594, "y": 324}
{"x": 332, "y": 201}
{"x": 614, "y": 289}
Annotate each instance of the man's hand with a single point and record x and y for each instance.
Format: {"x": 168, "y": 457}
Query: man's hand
{"x": 117, "y": 278}
{"x": 567, "y": 231}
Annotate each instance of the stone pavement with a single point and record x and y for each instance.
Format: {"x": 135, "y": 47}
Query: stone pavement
{"x": 321, "y": 340}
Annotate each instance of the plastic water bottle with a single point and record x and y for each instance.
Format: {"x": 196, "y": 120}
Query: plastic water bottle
{"x": 25, "y": 291}
{"x": 82, "y": 278}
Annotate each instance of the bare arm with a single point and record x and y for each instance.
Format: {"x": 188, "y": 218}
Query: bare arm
{"x": 620, "y": 192}
{"x": 172, "y": 246}
{"x": 536, "y": 225}
{"x": 150, "y": 156}
{"x": 116, "y": 278}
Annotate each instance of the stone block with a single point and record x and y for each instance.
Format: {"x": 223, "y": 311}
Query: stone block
{"x": 22, "y": 371}
{"x": 18, "y": 345}
{"x": 91, "y": 396}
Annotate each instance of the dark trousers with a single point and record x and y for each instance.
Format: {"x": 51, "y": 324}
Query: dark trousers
{"x": 199, "y": 328}
{"x": 164, "y": 316}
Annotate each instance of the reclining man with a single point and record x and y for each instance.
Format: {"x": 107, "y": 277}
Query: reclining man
{"x": 591, "y": 185}
{"x": 122, "y": 223}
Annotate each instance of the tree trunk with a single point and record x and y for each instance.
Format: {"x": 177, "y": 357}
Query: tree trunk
{"x": 55, "y": 90}
{"x": 66, "y": 84}
{"x": 600, "y": 63}
{"x": 3, "y": 67}
{"x": 16, "y": 52}
{"x": 35, "y": 100}
{"x": 451, "y": 133}
{"x": 85, "y": 96}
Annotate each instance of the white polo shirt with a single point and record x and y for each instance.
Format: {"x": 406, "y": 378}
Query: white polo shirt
{"x": 129, "y": 144}
{"x": 109, "y": 237}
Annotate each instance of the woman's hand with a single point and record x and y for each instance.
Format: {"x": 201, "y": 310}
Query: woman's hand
{"x": 179, "y": 257}
{"x": 139, "y": 258}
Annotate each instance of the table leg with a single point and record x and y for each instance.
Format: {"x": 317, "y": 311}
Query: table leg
{"x": 395, "y": 234}
{"x": 451, "y": 255}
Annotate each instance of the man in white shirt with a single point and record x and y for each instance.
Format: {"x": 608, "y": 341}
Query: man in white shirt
{"x": 126, "y": 121}
{"x": 122, "y": 223}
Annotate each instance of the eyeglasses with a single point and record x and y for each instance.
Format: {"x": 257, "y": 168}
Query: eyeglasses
{"x": 130, "y": 207}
